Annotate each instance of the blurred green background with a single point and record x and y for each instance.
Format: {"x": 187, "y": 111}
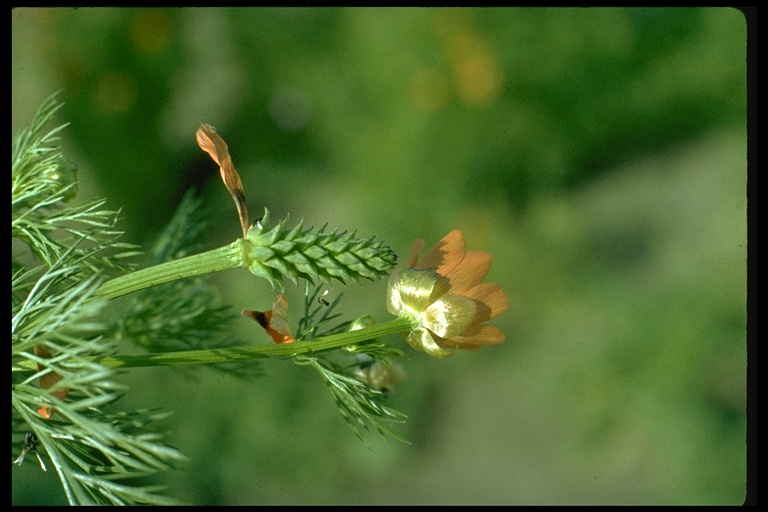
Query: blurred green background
{"x": 598, "y": 154}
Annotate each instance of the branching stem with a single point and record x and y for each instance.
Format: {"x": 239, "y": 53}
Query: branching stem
{"x": 228, "y": 355}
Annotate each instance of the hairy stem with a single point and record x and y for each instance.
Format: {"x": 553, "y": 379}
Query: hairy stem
{"x": 223, "y": 258}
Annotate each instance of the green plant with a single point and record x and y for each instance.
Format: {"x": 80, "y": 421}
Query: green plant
{"x": 68, "y": 339}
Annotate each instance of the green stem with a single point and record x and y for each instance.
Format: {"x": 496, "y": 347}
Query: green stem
{"x": 223, "y": 258}
{"x": 228, "y": 355}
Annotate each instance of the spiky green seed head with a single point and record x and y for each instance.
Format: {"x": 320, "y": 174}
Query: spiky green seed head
{"x": 314, "y": 254}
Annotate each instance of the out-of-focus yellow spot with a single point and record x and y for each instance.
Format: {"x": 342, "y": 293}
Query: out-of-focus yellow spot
{"x": 115, "y": 92}
{"x": 428, "y": 90}
{"x": 151, "y": 31}
{"x": 477, "y": 73}
{"x": 478, "y": 79}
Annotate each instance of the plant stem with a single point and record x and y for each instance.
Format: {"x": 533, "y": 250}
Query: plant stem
{"x": 223, "y": 258}
{"x": 228, "y": 355}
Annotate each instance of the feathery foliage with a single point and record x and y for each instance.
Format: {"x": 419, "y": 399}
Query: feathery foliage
{"x": 69, "y": 321}
{"x": 60, "y": 256}
{"x": 360, "y": 400}
{"x": 186, "y": 314}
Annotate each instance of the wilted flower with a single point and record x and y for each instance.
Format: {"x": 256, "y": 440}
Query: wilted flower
{"x": 48, "y": 381}
{"x": 212, "y": 143}
{"x": 274, "y": 321}
{"x": 446, "y": 299}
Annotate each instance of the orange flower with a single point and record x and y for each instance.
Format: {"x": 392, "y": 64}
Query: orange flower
{"x": 446, "y": 299}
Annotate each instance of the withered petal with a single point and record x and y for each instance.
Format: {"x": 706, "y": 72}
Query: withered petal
{"x": 212, "y": 143}
{"x": 48, "y": 381}
{"x": 275, "y": 320}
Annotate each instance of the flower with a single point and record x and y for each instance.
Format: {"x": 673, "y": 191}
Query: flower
{"x": 445, "y": 298}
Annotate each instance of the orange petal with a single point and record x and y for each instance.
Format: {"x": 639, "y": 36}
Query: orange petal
{"x": 448, "y": 253}
{"x": 46, "y": 412}
{"x": 492, "y": 296}
{"x": 470, "y": 272}
{"x": 481, "y": 335}
{"x": 418, "y": 245}
{"x": 212, "y": 143}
